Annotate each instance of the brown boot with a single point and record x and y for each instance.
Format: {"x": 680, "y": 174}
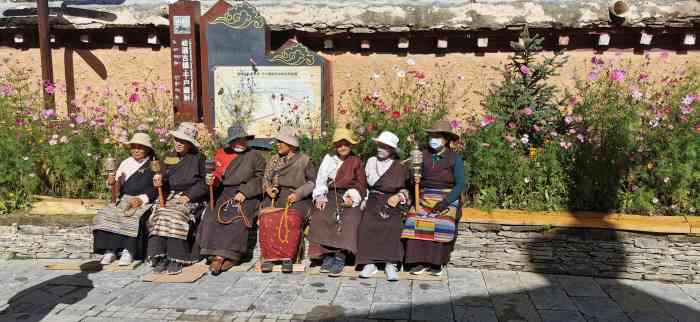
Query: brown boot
{"x": 227, "y": 264}
{"x": 215, "y": 266}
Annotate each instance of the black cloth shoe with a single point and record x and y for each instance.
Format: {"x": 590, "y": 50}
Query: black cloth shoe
{"x": 160, "y": 265}
{"x": 174, "y": 268}
{"x": 287, "y": 266}
{"x": 267, "y": 267}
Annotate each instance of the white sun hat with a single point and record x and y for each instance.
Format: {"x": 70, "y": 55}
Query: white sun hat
{"x": 389, "y": 139}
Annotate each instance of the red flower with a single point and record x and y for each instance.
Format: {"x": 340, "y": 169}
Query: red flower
{"x": 367, "y": 99}
{"x": 396, "y": 114}
{"x": 407, "y": 109}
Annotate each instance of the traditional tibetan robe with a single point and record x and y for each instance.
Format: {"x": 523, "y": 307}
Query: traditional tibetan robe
{"x": 279, "y": 235}
{"x": 442, "y": 177}
{"x": 117, "y": 226}
{"x": 224, "y": 231}
{"x": 172, "y": 228}
{"x": 335, "y": 228}
{"x": 381, "y": 226}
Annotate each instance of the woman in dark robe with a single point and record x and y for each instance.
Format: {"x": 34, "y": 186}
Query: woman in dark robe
{"x": 121, "y": 228}
{"x": 172, "y": 227}
{"x": 224, "y": 231}
{"x": 289, "y": 178}
{"x": 382, "y": 218}
{"x": 442, "y": 184}
{"x": 341, "y": 184}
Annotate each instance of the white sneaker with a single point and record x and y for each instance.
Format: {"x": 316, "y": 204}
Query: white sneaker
{"x": 368, "y": 271}
{"x": 392, "y": 273}
{"x": 108, "y": 258}
{"x": 126, "y": 259}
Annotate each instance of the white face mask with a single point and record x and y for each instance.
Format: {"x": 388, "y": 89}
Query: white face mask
{"x": 239, "y": 149}
{"x": 383, "y": 153}
{"x": 436, "y": 143}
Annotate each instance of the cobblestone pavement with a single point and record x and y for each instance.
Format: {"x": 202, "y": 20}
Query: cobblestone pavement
{"x": 30, "y": 293}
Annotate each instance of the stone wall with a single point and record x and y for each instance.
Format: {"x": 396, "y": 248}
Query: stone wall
{"x": 574, "y": 251}
{"x": 577, "y": 251}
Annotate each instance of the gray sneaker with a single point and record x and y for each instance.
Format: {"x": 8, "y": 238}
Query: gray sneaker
{"x": 392, "y": 273}
{"x": 436, "y": 271}
{"x": 419, "y": 270}
{"x": 368, "y": 271}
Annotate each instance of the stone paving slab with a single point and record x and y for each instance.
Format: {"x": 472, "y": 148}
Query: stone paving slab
{"x": 33, "y": 294}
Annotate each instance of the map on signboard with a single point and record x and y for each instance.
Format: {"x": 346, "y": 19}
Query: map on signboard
{"x": 265, "y": 98}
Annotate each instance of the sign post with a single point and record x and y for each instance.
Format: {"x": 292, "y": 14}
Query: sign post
{"x": 184, "y": 20}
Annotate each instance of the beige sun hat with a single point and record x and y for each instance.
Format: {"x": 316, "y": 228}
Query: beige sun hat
{"x": 141, "y": 138}
{"x": 288, "y": 135}
{"x": 186, "y": 131}
{"x": 445, "y": 128}
{"x": 341, "y": 134}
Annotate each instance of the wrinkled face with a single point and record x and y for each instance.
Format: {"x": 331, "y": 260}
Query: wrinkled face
{"x": 239, "y": 145}
{"x": 343, "y": 148}
{"x": 138, "y": 151}
{"x": 283, "y": 148}
{"x": 182, "y": 146}
{"x": 384, "y": 151}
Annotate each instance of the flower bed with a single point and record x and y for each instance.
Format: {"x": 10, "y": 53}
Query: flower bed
{"x": 623, "y": 140}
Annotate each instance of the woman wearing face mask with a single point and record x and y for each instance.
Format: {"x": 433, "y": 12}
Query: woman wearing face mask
{"x": 442, "y": 184}
{"x": 340, "y": 184}
{"x": 237, "y": 178}
{"x": 380, "y": 229}
{"x": 288, "y": 181}
{"x": 172, "y": 227}
{"x": 121, "y": 228}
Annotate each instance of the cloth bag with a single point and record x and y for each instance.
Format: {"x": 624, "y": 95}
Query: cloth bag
{"x": 280, "y": 232}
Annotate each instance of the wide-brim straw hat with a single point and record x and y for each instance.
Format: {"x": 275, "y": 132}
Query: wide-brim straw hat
{"x": 289, "y": 136}
{"x": 445, "y": 128}
{"x": 389, "y": 139}
{"x": 341, "y": 134}
{"x": 186, "y": 131}
{"x": 237, "y": 132}
{"x": 141, "y": 138}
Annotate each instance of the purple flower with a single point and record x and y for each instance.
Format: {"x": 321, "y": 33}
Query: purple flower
{"x": 688, "y": 99}
{"x": 617, "y": 75}
{"x": 49, "y": 88}
{"x": 45, "y": 114}
{"x": 527, "y": 111}
{"x": 79, "y": 119}
{"x": 455, "y": 124}
{"x": 568, "y": 119}
{"x": 121, "y": 109}
{"x": 20, "y": 122}
{"x": 685, "y": 110}
{"x": 596, "y": 60}
{"x": 488, "y": 119}
{"x": 6, "y": 89}
{"x": 134, "y": 98}
{"x": 525, "y": 70}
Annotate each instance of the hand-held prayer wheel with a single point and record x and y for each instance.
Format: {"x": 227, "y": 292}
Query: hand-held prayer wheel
{"x": 109, "y": 164}
{"x": 417, "y": 167}
{"x": 275, "y": 187}
{"x": 157, "y": 168}
{"x": 210, "y": 167}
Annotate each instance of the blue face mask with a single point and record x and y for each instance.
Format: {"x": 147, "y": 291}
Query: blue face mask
{"x": 436, "y": 143}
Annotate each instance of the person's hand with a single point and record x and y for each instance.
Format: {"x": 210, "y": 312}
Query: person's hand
{"x": 393, "y": 201}
{"x": 135, "y": 202}
{"x": 183, "y": 200}
{"x": 239, "y": 198}
{"x": 111, "y": 180}
{"x": 321, "y": 204}
{"x": 157, "y": 180}
{"x": 292, "y": 198}
{"x": 347, "y": 202}
{"x": 272, "y": 192}
{"x": 209, "y": 178}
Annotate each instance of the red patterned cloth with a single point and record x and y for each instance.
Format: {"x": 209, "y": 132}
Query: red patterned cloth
{"x": 222, "y": 159}
{"x": 280, "y": 233}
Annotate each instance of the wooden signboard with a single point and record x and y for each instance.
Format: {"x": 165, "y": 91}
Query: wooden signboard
{"x": 184, "y": 18}
{"x": 242, "y": 83}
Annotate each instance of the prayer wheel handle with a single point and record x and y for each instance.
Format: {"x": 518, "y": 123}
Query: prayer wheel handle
{"x": 109, "y": 164}
{"x": 417, "y": 167}
{"x": 210, "y": 166}
{"x": 157, "y": 168}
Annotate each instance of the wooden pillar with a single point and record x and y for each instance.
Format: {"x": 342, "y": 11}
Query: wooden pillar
{"x": 45, "y": 50}
{"x": 184, "y": 19}
{"x": 70, "y": 81}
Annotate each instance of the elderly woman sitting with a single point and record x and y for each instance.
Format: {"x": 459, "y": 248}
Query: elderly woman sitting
{"x": 183, "y": 183}
{"x": 120, "y": 228}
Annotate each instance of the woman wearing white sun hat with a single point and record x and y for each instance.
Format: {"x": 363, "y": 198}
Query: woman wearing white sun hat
{"x": 388, "y": 198}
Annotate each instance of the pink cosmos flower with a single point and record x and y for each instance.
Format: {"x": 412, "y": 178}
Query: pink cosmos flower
{"x": 121, "y": 109}
{"x": 20, "y": 122}
{"x": 511, "y": 125}
{"x": 455, "y": 124}
{"x": 596, "y": 60}
{"x": 568, "y": 119}
{"x": 160, "y": 131}
{"x": 685, "y": 110}
{"x": 525, "y": 70}
{"x": 592, "y": 76}
{"x": 536, "y": 128}
{"x": 565, "y": 145}
{"x": 50, "y": 88}
{"x": 134, "y": 98}
{"x": 488, "y": 119}
{"x": 6, "y": 89}
{"x": 79, "y": 119}
{"x": 643, "y": 78}
{"x": 617, "y": 75}
{"x": 527, "y": 111}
